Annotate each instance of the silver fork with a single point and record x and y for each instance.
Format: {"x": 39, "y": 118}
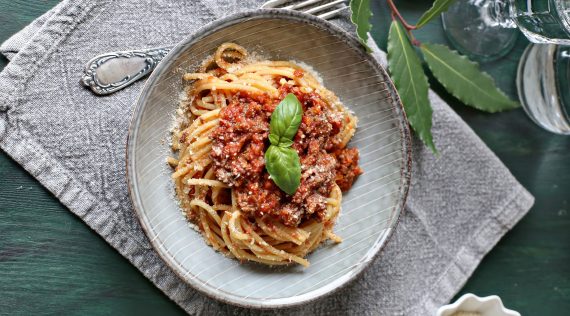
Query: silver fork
{"x": 110, "y": 72}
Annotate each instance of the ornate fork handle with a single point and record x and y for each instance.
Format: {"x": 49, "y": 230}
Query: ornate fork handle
{"x": 110, "y": 72}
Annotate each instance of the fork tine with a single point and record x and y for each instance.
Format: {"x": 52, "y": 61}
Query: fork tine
{"x": 301, "y": 4}
{"x": 332, "y": 14}
{"x": 297, "y": 6}
{"x": 324, "y": 6}
{"x": 274, "y": 3}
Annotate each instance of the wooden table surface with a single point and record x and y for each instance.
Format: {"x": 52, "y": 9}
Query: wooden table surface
{"x": 52, "y": 263}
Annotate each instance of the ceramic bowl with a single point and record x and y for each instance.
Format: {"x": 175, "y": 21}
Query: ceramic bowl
{"x": 370, "y": 210}
{"x": 471, "y": 303}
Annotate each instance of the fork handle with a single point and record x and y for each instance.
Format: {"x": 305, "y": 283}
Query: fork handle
{"x": 107, "y": 73}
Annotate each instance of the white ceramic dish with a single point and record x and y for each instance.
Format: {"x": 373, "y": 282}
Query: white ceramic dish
{"x": 471, "y": 303}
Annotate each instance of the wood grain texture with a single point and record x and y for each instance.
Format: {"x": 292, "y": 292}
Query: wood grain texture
{"x": 52, "y": 263}
{"x": 529, "y": 268}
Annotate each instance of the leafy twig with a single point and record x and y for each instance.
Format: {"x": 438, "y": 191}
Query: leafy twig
{"x": 463, "y": 79}
{"x": 411, "y": 82}
{"x": 360, "y": 17}
{"x": 439, "y": 6}
{"x": 400, "y": 17}
{"x": 460, "y": 76}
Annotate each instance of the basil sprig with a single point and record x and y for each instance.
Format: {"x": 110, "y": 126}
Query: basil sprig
{"x": 285, "y": 121}
{"x": 281, "y": 161}
{"x": 283, "y": 165}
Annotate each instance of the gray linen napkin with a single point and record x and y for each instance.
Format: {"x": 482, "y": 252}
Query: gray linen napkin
{"x": 73, "y": 142}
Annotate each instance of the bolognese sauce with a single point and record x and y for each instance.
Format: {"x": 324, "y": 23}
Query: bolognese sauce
{"x": 241, "y": 139}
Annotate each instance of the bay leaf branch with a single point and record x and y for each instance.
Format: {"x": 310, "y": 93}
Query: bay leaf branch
{"x": 464, "y": 80}
{"x": 406, "y": 69}
{"x": 438, "y": 7}
{"x": 360, "y": 16}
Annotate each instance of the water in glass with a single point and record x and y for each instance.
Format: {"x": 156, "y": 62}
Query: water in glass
{"x": 543, "y": 21}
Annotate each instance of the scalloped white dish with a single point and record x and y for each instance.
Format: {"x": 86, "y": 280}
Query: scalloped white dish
{"x": 471, "y": 304}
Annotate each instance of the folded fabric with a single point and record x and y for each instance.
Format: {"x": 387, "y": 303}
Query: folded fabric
{"x": 73, "y": 142}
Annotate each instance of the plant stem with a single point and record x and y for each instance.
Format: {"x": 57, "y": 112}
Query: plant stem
{"x": 397, "y": 13}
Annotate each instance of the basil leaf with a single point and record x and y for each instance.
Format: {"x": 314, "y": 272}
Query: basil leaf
{"x": 285, "y": 142}
{"x": 284, "y": 167}
{"x": 274, "y": 139}
{"x": 285, "y": 121}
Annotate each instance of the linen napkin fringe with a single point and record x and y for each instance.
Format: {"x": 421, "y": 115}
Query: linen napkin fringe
{"x": 468, "y": 258}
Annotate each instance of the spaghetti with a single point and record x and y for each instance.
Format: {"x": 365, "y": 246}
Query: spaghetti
{"x": 220, "y": 178}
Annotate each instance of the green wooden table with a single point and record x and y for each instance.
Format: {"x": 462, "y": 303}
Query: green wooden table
{"x": 52, "y": 263}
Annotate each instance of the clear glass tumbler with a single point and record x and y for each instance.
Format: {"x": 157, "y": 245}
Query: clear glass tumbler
{"x": 487, "y": 29}
{"x": 543, "y": 83}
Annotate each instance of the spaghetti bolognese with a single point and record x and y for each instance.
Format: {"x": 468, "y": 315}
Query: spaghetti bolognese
{"x": 221, "y": 177}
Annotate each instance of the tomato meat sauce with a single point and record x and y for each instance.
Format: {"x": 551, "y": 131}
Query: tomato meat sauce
{"x": 241, "y": 139}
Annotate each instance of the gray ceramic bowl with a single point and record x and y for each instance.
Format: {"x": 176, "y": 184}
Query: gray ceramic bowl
{"x": 370, "y": 210}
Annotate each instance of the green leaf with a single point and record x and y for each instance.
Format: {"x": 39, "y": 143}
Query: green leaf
{"x": 411, "y": 82}
{"x": 438, "y": 7}
{"x": 285, "y": 142}
{"x": 284, "y": 167}
{"x": 360, "y": 16}
{"x": 285, "y": 121}
{"x": 274, "y": 139}
{"x": 463, "y": 79}
{"x": 282, "y": 162}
